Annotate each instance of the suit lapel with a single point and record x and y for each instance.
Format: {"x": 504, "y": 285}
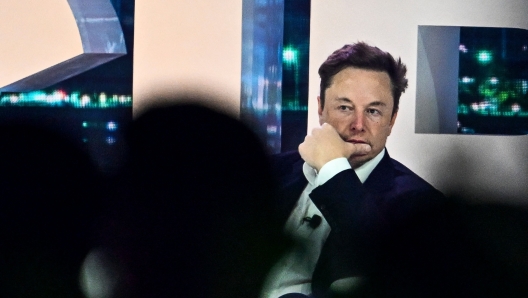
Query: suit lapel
{"x": 332, "y": 265}
{"x": 291, "y": 184}
{"x": 382, "y": 177}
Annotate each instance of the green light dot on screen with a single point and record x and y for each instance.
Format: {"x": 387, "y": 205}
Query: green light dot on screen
{"x": 484, "y": 57}
{"x": 467, "y": 80}
{"x": 289, "y": 55}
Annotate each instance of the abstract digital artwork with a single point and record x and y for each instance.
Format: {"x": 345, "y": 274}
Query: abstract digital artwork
{"x": 74, "y": 73}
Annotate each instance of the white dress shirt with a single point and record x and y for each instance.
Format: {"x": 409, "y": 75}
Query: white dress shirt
{"x": 293, "y": 272}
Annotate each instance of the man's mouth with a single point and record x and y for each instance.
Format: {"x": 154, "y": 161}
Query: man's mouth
{"x": 354, "y": 141}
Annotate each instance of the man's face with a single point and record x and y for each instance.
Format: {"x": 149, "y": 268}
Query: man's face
{"x": 358, "y": 104}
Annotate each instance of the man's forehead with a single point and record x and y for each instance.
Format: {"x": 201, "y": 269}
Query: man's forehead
{"x": 352, "y": 74}
{"x": 355, "y": 68}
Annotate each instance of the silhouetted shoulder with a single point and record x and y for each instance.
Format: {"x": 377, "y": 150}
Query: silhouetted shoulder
{"x": 283, "y": 162}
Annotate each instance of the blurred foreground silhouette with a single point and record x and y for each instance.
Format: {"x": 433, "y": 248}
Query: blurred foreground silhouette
{"x": 195, "y": 219}
{"x": 192, "y": 214}
{"x": 458, "y": 250}
{"x": 50, "y": 195}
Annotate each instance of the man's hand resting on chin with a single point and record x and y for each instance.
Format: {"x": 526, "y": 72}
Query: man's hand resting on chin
{"x": 325, "y": 144}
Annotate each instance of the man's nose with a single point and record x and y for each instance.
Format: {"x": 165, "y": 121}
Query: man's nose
{"x": 358, "y": 121}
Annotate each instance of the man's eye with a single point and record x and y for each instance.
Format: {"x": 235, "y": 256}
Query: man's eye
{"x": 345, "y": 108}
{"x": 373, "y": 111}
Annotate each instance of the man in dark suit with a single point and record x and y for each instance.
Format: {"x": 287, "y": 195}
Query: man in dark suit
{"x": 341, "y": 194}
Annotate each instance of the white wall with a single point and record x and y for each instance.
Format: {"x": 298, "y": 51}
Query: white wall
{"x": 479, "y": 166}
{"x": 188, "y": 46}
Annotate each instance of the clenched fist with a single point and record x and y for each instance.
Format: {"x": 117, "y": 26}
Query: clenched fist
{"x": 325, "y": 144}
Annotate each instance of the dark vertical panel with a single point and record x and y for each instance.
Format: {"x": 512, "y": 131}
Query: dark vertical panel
{"x": 261, "y": 94}
{"x": 275, "y": 48}
{"x": 295, "y": 73}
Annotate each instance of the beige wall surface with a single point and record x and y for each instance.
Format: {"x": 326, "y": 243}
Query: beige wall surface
{"x": 481, "y": 167}
{"x": 188, "y": 46}
{"x": 35, "y": 35}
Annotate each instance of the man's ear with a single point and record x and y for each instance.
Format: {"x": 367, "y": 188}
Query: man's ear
{"x": 320, "y": 110}
{"x": 393, "y": 119}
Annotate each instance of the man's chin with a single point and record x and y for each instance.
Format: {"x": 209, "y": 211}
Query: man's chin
{"x": 358, "y": 161}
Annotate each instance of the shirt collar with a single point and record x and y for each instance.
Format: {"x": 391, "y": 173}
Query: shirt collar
{"x": 363, "y": 172}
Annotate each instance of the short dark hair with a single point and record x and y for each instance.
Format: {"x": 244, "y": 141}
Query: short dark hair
{"x": 363, "y": 56}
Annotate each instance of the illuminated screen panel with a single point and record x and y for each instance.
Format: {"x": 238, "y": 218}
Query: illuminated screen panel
{"x": 295, "y": 71}
{"x": 493, "y": 81}
{"x": 275, "y": 48}
{"x": 91, "y": 108}
{"x": 261, "y": 94}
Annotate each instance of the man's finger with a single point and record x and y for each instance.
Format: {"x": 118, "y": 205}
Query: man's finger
{"x": 359, "y": 149}
{"x": 327, "y": 126}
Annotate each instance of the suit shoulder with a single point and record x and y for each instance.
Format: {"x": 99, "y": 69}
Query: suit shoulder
{"x": 404, "y": 174}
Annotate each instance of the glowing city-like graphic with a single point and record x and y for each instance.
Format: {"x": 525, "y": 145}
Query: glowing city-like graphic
{"x": 493, "y": 81}
{"x": 59, "y": 98}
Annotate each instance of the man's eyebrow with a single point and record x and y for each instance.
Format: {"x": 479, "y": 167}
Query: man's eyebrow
{"x": 344, "y": 99}
{"x": 372, "y": 104}
{"x": 377, "y": 103}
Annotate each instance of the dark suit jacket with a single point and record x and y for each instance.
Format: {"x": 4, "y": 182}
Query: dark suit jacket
{"x": 360, "y": 215}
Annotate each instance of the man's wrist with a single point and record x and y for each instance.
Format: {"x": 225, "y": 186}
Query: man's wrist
{"x": 331, "y": 168}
